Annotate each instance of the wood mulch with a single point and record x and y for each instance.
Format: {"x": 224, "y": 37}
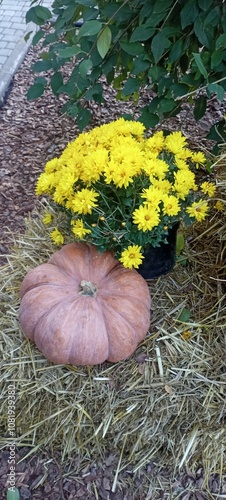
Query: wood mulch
{"x": 31, "y": 133}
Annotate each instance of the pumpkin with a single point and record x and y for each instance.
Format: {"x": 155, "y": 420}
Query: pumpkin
{"x": 82, "y": 307}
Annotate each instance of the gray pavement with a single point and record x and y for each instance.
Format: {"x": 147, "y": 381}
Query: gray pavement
{"x": 13, "y": 47}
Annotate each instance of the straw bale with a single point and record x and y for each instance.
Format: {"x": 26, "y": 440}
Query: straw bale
{"x": 166, "y": 403}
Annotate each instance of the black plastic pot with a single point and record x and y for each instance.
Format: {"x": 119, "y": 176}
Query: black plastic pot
{"x": 160, "y": 260}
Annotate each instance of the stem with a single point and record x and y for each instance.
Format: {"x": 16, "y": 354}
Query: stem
{"x": 87, "y": 288}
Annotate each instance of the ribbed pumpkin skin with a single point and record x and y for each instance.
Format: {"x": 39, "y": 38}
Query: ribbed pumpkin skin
{"x": 71, "y": 328}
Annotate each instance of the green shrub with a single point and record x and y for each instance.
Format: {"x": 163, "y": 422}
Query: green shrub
{"x": 173, "y": 47}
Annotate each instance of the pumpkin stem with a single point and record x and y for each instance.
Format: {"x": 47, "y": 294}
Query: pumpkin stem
{"x": 87, "y": 288}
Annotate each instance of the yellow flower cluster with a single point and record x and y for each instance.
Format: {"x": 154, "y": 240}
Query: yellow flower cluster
{"x": 120, "y": 187}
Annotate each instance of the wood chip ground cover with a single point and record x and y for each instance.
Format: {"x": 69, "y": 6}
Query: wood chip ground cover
{"x": 150, "y": 428}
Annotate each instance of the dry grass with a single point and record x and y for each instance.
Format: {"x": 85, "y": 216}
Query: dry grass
{"x": 165, "y": 403}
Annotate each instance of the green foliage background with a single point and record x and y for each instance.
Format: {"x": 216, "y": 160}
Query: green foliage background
{"x": 173, "y": 47}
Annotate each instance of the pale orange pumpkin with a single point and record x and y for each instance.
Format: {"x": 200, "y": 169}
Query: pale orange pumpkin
{"x": 82, "y": 307}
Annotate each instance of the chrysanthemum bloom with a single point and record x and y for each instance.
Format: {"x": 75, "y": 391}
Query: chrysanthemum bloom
{"x": 170, "y": 205}
{"x": 208, "y": 188}
{"x": 83, "y": 201}
{"x": 156, "y": 168}
{"x": 198, "y": 210}
{"x": 57, "y": 237}
{"x": 198, "y": 158}
{"x": 44, "y": 184}
{"x": 184, "y": 181}
{"x": 47, "y": 218}
{"x": 152, "y": 197}
{"x": 219, "y": 205}
{"x": 131, "y": 257}
{"x": 146, "y": 218}
{"x": 175, "y": 142}
{"x": 78, "y": 229}
{"x": 155, "y": 142}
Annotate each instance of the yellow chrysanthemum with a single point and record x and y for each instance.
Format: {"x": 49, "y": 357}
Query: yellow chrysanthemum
{"x": 156, "y": 168}
{"x": 121, "y": 174}
{"x": 208, "y": 188}
{"x": 155, "y": 142}
{"x": 184, "y": 154}
{"x": 47, "y": 219}
{"x": 170, "y": 205}
{"x": 164, "y": 186}
{"x": 65, "y": 185}
{"x": 184, "y": 181}
{"x": 44, "y": 184}
{"x": 152, "y": 196}
{"x": 52, "y": 165}
{"x": 198, "y": 158}
{"x": 78, "y": 229}
{"x": 83, "y": 201}
{"x": 57, "y": 237}
{"x": 93, "y": 165}
{"x": 146, "y": 218}
{"x": 219, "y": 205}
{"x": 181, "y": 164}
{"x": 127, "y": 127}
{"x": 175, "y": 142}
{"x": 198, "y": 210}
{"x": 131, "y": 257}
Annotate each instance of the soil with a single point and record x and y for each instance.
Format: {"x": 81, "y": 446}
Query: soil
{"x": 31, "y": 133}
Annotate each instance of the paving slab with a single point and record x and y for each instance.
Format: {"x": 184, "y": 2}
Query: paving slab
{"x": 13, "y": 47}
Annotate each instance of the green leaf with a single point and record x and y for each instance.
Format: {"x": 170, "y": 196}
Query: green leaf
{"x": 158, "y": 45}
{"x": 69, "y": 12}
{"x": 95, "y": 93}
{"x": 41, "y": 79}
{"x": 142, "y": 33}
{"x": 184, "y": 315}
{"x": 200, "y": 64}
{"x": 43, "y": 12}
{"x": 188, "y": 13}
{"x": 89, "y": 28}
{"x": 216, "y": 59}
{"x": 180, "y": 243}
{"x": 176, "y": 51}
{"x": 104, "y": 42}
{"x": 131, "y": 86}
{"x": 139, "y": 65}
{"x": 205, "y": 4}
{"x": 200, "y": 107}
{"x": 56, "y": 82}
{"x": 13, "y": 495}
{"x": 132, "y": 48}
{"x": 221, "y": 42}
{"x": 38, "y": 15}
{"x": 201, "y": 33}
{"x": 83, "y": 118}
{"x": 69, "y": 51}
{"x": 31, "y": 16}
{"x": 41, "y": 66}
{"x": 149, "y": 120}
{"x": 179, "y": 89}
{"x": 35, "y": 91}
{"x": 84, "y": 67}
{"x": 215, "y": 88}
{"x": 212, "y": 19}
{"x": 37, "y": 37}
{"x": 166, "y": 105}
{"x": 27, "y": 36}
{"x": 73, "y": 110}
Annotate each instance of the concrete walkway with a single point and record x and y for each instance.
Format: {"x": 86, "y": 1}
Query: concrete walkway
{"x": 13, "y": 47}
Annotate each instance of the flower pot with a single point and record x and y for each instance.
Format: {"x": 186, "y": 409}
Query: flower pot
{"x": 160, "y": 260}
